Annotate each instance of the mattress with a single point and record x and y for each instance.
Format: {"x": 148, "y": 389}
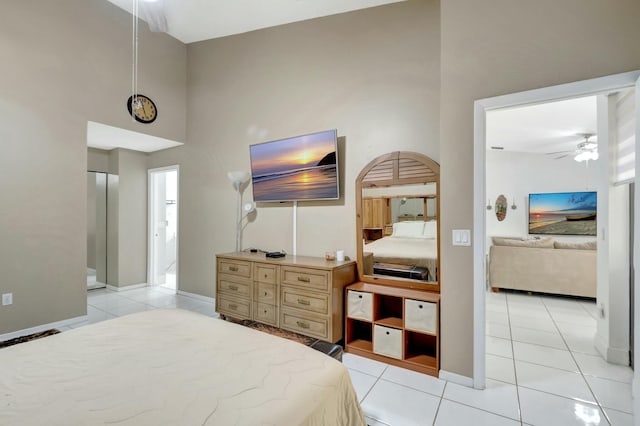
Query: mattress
{"x": 172, "y": 367}
{"x": 421, "y": 252}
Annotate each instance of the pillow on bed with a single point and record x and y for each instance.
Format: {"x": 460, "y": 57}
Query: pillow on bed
{"x": 431, "y": 229}
{"x": 408, "y": 229}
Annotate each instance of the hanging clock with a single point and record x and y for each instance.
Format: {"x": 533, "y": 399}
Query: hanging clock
{"x": 142, "y": 108}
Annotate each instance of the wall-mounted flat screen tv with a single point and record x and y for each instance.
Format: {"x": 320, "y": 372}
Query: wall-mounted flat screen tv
{"x": 563, "y": 213}
{"x": 298, "y": 168}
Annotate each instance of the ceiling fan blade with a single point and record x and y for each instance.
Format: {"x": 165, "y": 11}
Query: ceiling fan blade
{"x": 562, "y": 156}
{"x": 557, "y": 152}
{"x": 153, "y": 14}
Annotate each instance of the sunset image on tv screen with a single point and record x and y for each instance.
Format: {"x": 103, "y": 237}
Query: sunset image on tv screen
{"x": 299, "y": 168}
{"x": 563, "y": 213}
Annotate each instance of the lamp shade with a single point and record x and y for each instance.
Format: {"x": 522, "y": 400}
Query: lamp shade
{"x": 238, "y": 176}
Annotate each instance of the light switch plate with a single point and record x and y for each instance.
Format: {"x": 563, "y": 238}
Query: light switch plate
{"x": 7, "y": 299}
{"x": 461, "y": 237}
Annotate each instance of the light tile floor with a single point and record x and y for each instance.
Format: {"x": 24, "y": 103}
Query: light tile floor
{"x": 541, "y": 367}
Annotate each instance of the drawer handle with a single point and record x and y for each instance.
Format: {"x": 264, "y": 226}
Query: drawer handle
{"x": 234, "y": 307}
{"x": 265, "y": 311}
{"x": 233, "y": 287}
{"x": 304, "y": 279}
{"x": 420, "y": 306}
{"x": 233, "y": 268}
{"x": 302, "y": 324}
{"x": 360, "y": 296}
{"x": 304, "y": 302}
{"x": 265, "y": 293}
{"x": 387, "y": 333}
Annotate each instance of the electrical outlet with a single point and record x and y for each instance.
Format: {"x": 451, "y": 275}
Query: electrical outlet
{"x": 7, "y": 299}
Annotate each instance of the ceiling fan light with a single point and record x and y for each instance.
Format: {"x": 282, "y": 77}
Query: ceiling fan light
{"x": 586, "y": 155}
{"x": 581, "y": 156}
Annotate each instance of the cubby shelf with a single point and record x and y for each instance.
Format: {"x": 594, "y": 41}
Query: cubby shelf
{"x": 393, "y": 308}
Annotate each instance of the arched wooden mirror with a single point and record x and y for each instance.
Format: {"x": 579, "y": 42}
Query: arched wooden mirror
{"x": 397, "y": 212}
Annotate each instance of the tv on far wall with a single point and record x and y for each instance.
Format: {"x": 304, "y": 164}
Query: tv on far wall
{"x": 563, "y": 213}
{"x": 298, "y": 168}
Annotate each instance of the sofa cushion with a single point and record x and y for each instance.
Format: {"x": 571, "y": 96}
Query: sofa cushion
{"x": 587, "y": 245}
{"x": 545, "y": 242}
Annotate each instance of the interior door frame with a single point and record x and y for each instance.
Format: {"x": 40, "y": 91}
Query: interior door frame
{"x": 582, "y": 88}
{"x": 151, "y": 173}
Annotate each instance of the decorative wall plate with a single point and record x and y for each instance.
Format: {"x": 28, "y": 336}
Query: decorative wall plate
{"x": 501, "y": 207}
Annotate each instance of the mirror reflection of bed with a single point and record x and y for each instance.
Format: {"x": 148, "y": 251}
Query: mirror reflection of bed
{"x": 400, "y": 232}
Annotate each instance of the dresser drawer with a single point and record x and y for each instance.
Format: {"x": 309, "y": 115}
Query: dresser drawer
{"x": 234, "y": 307}
{"x": 387, "y": 341}
{"x": 263, "y": 312}
{"x": 420, "y": 315}
{"x": 304, "y": 324}
{"x": 305, "y": 300}
{"x": 266, "y": 293}
{"x": 265, "y": 273}
{"x": 360, "y": 305}
{"x": 307, "y": 278}
{"x": 234, "y": 267}
{"x": 234, "y": 286}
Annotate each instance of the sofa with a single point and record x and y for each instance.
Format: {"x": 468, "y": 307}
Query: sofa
{"x": 543, "y": 265}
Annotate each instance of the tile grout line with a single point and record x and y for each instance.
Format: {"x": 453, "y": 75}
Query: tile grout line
{"x": 578, "y": 366}
{"x": 513, "y": 354}
{"x": 435, "y": 416}
{"x": 369, "y": 391}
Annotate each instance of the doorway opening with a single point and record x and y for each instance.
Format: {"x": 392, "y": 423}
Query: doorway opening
{"x": 163, "y": 227}
{"x": 597, "y": 86}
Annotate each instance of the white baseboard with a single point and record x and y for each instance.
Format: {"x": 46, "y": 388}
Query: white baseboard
{"x": 127, "y": 287}
{"x": 456, "y": 378}
{"x": 197, "y": 296}
{"x": 43, "y": 327}
{"x": 618, "y": 356}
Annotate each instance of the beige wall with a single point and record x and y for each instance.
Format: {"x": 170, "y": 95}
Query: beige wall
{"x": 65, "y": 62}
{"x": 495, "y": 47}
{"x": 372, "y": 74}
{"x": 98, "y": 160}
{"x": 132, "y": 218}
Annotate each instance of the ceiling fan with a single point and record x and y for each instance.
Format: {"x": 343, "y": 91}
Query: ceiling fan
{"x": 586, "y": 150}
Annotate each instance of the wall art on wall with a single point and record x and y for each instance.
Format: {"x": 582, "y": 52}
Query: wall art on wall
{"x": 563, "y": 213}
{"x": 501, "y": 207}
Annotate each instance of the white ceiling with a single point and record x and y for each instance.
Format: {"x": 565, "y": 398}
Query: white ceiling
{"x": 196, "y": 20}
{"x": 542, "y": 128}
{"x": 106, "y": 137}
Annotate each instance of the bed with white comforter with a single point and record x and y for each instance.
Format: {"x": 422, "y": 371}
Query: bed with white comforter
{"x": 172, "y": 367}
{"x": 412, "y": 243}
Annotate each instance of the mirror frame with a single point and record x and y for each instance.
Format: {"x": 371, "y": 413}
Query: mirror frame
{"x": 420, "y": 169}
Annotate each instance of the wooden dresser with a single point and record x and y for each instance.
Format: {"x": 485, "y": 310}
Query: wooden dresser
{"x": 297, "y": 293}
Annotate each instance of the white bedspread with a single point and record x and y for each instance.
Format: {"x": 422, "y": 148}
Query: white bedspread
{"x": 172, "y": 367}
{"x": 407, "y": 251}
